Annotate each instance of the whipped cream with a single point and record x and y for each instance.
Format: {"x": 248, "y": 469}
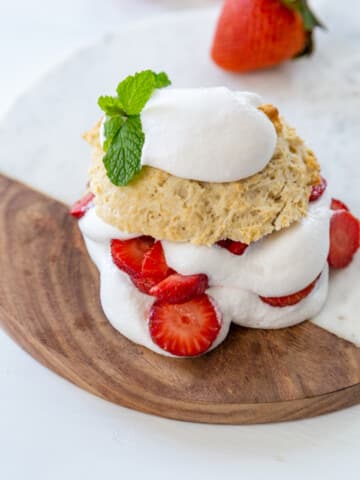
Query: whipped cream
{"x": 206, "y": 134}
{"x": 123, "y": 304}
{"x": 280, "y": 264}
{"x": 246, "y": 309}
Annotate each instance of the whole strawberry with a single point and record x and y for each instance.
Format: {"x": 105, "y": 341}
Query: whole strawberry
{"x": 253, "y": 34}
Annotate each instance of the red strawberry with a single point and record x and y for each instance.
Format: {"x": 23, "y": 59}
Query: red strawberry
{"x": 128, "y": 255}
{"x": 180, "y": 288}
{"x": 153, "y": 269}
{"x": 237, "y": 248}
{"x": 154, "y": 265}
{"x": 289, "y": 300}
{"x": 79, "y": 208}
{"x": 338, "y": 205}
{"x": 254, "y": 34}
{"x": 318, "y": 189}
{"x": 185, "y": 329}
{"x": 143, "y": 284}
{"x": 344, "y": 238}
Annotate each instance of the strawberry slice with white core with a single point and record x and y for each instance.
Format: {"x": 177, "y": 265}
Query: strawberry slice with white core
{"x": 318, "y": 190}
{"x": 237, "y": 248}
{"x": 338, "y": 205}
{"x": 288, "y": 300}
{"x": 80, "y": 207}
{"x": 128, "y": 255}
{"x": 180, "y": 288}
{"x": 344, "y": 238}
{"x": 186, "y": 329}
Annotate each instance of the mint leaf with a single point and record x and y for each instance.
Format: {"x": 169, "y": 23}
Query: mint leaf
{"x": 111, "y": 127}
{"x": 136, "y": 90}
{"x": 123, "y": 157}
{"x": 161, "y": 80}
{"x": 124, "y": 137}
{"x": 111, "y": 105}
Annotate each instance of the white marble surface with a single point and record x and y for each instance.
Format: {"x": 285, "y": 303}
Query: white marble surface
{"x": 51, "y": 429}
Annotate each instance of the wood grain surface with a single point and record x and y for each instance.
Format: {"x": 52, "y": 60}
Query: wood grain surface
{"x": 49, "y": 303}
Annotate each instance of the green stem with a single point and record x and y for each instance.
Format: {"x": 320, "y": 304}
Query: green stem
{"x": 310, "y": 21}
{"x": 309, "y": 18}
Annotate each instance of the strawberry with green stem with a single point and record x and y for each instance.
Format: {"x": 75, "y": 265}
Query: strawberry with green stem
{"x": 253, "y": 34}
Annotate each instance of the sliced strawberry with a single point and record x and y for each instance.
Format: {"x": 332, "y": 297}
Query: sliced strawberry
{"x": 143, "y": 284}
{"x": 180, "y": 288}
{"x": 289, "y": 300}
{"x": 338, "y": 205}
{"x": 154, "y": 265}
{"x": 185, "y": 329}
{"x": 128, "y": 255}
{"x": 318, "y": 189}
{"x": 237, "y": 248}
{"x": 153, "y": 269}
{"x": 79, "y": 208}
{"x": 142, "y": 259}
{"x": 344, "y": 238}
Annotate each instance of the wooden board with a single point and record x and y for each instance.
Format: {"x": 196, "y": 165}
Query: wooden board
{"x": 49, "y": 303}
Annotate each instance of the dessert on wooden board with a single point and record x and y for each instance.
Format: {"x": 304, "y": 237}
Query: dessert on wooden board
{"x": 205, "y": 208}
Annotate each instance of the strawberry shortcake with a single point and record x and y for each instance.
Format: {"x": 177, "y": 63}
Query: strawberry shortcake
{"x": 205, "y": 208}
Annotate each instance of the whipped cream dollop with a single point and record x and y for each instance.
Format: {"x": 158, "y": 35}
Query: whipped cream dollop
{"x": 208, "y": 134}
{"x": 280, "y": 264}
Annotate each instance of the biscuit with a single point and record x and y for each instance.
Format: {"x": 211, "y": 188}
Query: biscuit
{"x": 163, "y": 206}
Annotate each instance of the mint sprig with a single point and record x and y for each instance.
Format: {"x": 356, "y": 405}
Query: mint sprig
{"x": 111, "y": 105}
{"x": 123, "y": 133}
{"x": 111, "y": 127}
{"x": 122, "y": 160}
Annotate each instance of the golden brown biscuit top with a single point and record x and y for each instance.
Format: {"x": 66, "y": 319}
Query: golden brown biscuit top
{"x": 167, "y": 207}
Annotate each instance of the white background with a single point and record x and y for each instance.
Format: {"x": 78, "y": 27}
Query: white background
{"x": 50, "y": 429}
